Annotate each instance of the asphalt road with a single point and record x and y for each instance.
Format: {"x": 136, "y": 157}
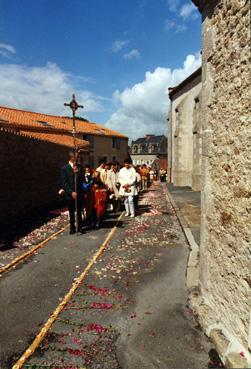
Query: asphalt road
{"x": 131, "y": 311}
{"x": 33, "y": 290}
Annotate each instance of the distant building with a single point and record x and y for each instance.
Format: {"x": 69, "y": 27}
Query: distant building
{"x": 150, "y": 150}
{"x": 103, "y": 143}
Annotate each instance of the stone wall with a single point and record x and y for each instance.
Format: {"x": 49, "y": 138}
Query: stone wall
{"x": 197, "y": 144}
{"x": 182, "y": 143}
{"x": 30, "y": 175}
{"x": 226, "y": 210}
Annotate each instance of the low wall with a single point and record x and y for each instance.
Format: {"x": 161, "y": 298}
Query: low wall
{"x": 30, "y": 175}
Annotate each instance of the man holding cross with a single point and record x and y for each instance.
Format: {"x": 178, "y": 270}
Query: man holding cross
{"x": 68, "y": 172}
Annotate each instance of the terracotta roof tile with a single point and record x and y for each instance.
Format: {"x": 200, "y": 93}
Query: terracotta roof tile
{"x": 33, "y": 119}
{"x": 59, "y": 139}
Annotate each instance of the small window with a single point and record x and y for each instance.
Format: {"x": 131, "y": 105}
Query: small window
{"x": 44, "y": 123}
{"x": 115, "y": 143}
{"x": 90, "y": 139}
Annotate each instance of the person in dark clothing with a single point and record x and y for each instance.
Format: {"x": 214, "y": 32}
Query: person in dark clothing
{"x": 88, "y": 197}
{"x": 67, "y": 177}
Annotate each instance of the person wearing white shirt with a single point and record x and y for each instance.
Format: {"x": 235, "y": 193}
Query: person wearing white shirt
{"x": 102, "y": 170}
{"x": 128, "y": 189}
{"x": 113, "y": 186}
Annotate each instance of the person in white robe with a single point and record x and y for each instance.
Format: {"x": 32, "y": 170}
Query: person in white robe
{"x": 128, "y": 189}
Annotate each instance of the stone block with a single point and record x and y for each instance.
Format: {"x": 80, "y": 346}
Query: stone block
{"x": 235, "y": 360}
{"x": 220, "y": 341}
{"x": 192, "y": 277}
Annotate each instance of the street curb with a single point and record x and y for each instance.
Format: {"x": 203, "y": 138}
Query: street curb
{"x": 223, "y": 347}
{"x": 192, "y": 272}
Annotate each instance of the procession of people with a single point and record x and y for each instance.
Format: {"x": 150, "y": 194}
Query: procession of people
{"x": 93, "y": 191}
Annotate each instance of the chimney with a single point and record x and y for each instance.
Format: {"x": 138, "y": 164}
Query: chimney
{"x": 149, "y": 136}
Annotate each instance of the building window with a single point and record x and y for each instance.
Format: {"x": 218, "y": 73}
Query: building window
{"x": 90, "y": 139}
{"x": 115, "y": 143}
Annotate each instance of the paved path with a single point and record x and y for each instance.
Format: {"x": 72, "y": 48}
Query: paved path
{"x": 33, "y": 290}
{"x": 130, "y": 312}
{"x": 188, "y": 202}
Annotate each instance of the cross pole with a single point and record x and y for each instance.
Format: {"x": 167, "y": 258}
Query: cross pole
{"x": 74, "y": 107}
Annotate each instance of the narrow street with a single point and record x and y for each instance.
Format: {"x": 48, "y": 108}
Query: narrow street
{"x": 31, "y": 292}
{"x": 131, "y": 310}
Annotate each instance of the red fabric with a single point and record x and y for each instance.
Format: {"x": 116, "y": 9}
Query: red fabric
{"x": 100, "y": 198}
{"x": 89, "y": 201}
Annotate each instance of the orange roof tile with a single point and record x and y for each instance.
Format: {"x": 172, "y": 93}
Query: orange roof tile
{"x": 59, "y": 139}
{"x": 56, "y": 138}
{"x": 22, "y": 117}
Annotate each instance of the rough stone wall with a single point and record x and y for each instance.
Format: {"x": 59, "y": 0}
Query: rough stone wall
{"x": 181, "y": 135}
{"x": 226, "y": 208}
{"x": 30, "y": 175}
{"x": 182, "y": 168}
{"x": 197, "y": 145}
{"x": 169, "y": 146}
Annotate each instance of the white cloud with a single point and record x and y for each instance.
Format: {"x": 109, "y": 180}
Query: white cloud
{"x": 172, "y": 5}
{"x": 119, "y": 45}
{"x": 180, "y": 28}
{"x": 143, "y": 108}
{"x": 171, "y": 24}
{"x": 6, "y": 50}
{"x": 189, "y": 10}
{"x": 133, "y": 54}
{"x": 42, "y": 89}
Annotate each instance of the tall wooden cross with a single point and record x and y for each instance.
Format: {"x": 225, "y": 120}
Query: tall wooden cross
{"x": 74, "y": 107}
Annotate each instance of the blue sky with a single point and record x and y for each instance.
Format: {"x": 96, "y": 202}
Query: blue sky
{"x": 102, "y": 50}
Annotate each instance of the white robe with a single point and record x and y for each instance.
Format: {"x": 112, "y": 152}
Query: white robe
{"x": 112, "y": 180}
{"x": 128, "y": 176}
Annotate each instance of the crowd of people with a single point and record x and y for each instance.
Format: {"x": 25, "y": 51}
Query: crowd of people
{"x": 93, "y": 191}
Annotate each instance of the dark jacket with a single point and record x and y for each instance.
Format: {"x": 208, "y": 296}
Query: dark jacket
{"x": 67, "y": 179}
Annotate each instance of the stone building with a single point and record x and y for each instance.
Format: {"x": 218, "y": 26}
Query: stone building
{"x": 184, "y": 133}
{"x": 149, "y": 150}
{"x": 104, "y": 143}
{"x": 222, "y": 300}
{"x": 33, "y": 149}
